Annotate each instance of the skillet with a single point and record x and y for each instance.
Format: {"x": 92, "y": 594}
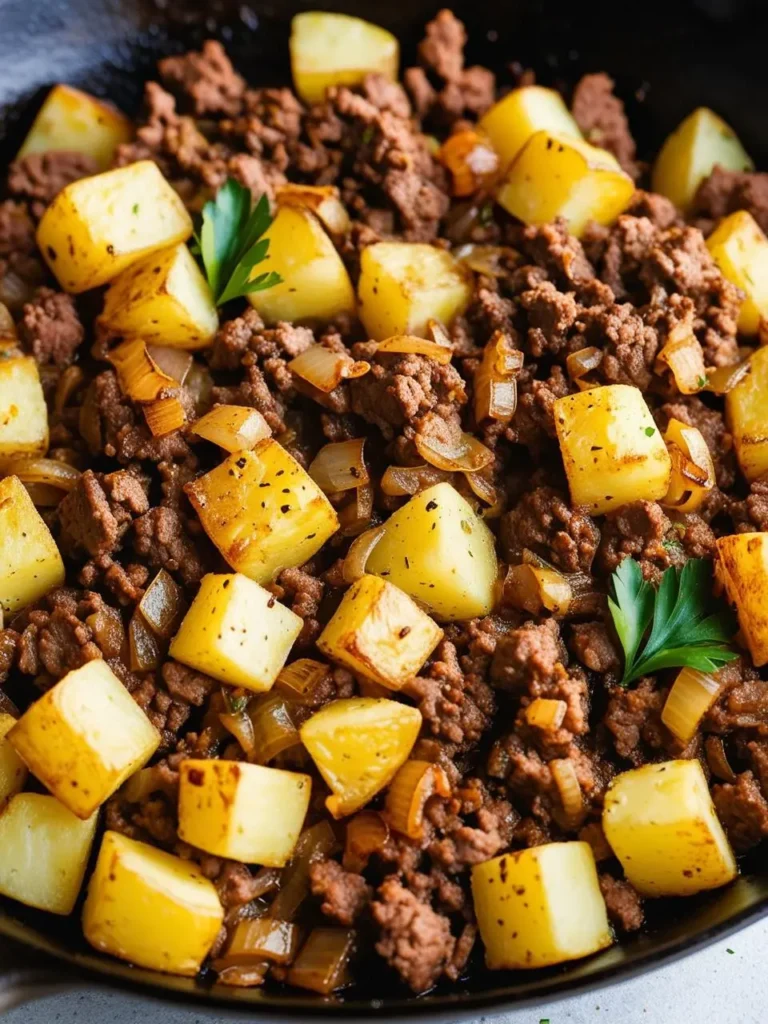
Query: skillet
{"x": 667, "y": 58}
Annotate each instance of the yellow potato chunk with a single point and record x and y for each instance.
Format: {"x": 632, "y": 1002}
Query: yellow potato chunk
{"x": 236, "y": 632}
{"x": 378, "y": 631}
{"x": 511, "y": 122}
{"x": 740, "y": 249}
{"x": 555, "y": 175}
{"x": 438, "y": 550}
{"x": 358, "y": 745}
{"x": 148, "y": 907}
{"x": 23, "y": 412}
{"x": 96, "y": 227}
{"x": 246, "y": 812}
{"x": 84, "y": 737}
{"x": 315, "y": 284}
{"x": 540, "y": 906}
{"x": 745, "y": 412}
{"x": 742, "y": 565}
{"x": 661, "y": 823}
{"x": 45, "y": 852}
{"x": 336, "y": 49}
{"x": 13, "y": 771}
{"x": 690, "y": 153}
{"x": 163, "y": 298}
{"x": 263, "y": 511}
{"x": 30, "y": 563}
{"x": 404, "y": 285}
{"x": 612, "y": 450}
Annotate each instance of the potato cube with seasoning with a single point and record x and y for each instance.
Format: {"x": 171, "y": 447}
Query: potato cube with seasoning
{"x": 246, "y": 812}
{"x": 85, "y": 737}
{"x": 380, "y": 632}
{"x": 612, "y": 449}
{"x": 263, "y": 511}
{"x": 523, "y": 112}
{"x": 30, "y": 563}
{"x": 23, "y": 412}
{"x": 740, "y": 249}
{"x": 237, "y": 632}
{"x": 745, "y": 413}
{"x": 151, "y": 908}
{"x": 540, "y": 906}
{"x": 661, "y": 823}
{"x": 13, "y": 771}
{"x": 742, "y": 566}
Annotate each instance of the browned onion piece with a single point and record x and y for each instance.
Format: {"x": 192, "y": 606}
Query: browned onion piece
{"x": 324, "y": 369}
{"x": 723, "y": 379}
{"x": 693, "y": 471}
{"x": 452, "y": 449}
{"x": 407, "y": 345}
{"x": 357, "y": 513}
{"x": 340, "y": 466}
{"x": 409, "y": 791}
{"x": 165, "y": 415}
{"x": 482, "y": 487}
{"x": 163, "y": 605}
{"x": 69, "y": 381}
{"x": 144, "y": 654}
{"x": 367, "y": 833}
{"x": 240, "y": 975}
{"x": 496, "y": 380}
{"x": 404, "y": 481}
{"x": 717, "y": 759}
{"x": 684, "y": 356}
{"x": 50, "y": 472}
{"x": 580, "y": 364}
{"x": 300, "y": 681}
{"x": 534, "y": 590}
{"x": 262, "y": 938}
{"x": 314, "y": 842}
{"x": 564, "y": 774}
{"x": 240, "y": 725}
{"x": 359, "y": 553}
{"x": 139, "y": 376}
{"x": 489, "y": 260}
{"x": 174, "y": 361}
{"x": 273, "y": 727}
{"x": 199, "y": 385}
{"x": 45, "y": 495}
{"x": 439, "y": 334}
{"x": 108, "y": 630}
{"x": 321, "y": 966}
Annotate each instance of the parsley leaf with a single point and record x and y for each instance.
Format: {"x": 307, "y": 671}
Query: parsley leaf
{"x": 679, "y": 625}
{"x": 230, "y": 245}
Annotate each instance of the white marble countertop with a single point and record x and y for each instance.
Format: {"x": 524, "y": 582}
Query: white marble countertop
{"x": 725, "y": 984}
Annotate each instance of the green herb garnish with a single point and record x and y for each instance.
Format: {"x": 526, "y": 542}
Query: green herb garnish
{"x": 701, "y": 382}
{"x": 230, "y": 244}
{"x": 679, "y": 625}
{"x": 650, "y": 431}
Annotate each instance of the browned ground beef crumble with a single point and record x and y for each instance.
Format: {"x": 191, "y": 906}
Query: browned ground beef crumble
{"x": 623, "y": 289}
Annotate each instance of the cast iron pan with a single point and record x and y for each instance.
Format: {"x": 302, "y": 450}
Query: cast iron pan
{"x": 667, "y": 58}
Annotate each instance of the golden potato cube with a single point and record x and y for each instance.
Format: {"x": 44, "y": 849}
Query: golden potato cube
{"x": 96, "y": 227}
{"x": 263, "y": 511}
{"x": 45, "y": 852}
{"x": 336, "y": 49}
{"x": 236, "y": 632}
{"x": 690, "y": 154}
{"x": 404, "y": 285}
{"x": 559, "y": 176}
{"x": 13, "y": 771}
{"x": 742, "y": 565}
{"x": 745, "y": 413}
{"x": 246, "y": 812}
{"x": 148, "y": 907}
{"x": 523, "y": 112}
{"x": 84, "y": 737}
{"x": 358, "y": 745}
{"x": 378, "y": 631}
{"x": 315, "y": 284}
{"x": 612, "y": 450}
{"x": 661, "y": 823}
{"x": 163, "y": 298}
{"x": 23, "y": 412}
{"x": 30, "y": 563}
{"x": 76, "y": 122}
{"x": 740, "y": 249}
{"x": 437, "y": 549}
{"x": 540, "y": 906}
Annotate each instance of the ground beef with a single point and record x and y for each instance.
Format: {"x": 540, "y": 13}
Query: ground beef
{"x": 207, "y": 79}
{"x": 724, "y": 192}
{"x": 55, "y": 637}
{"x": 96, "y": 513}
{"x": 454, "y": 706}
{"x": 743, "y": 810}
{"x": 752, "y": 513}
{"x": 600, "y": 115}
{"x": 640, "y": 530}
{"x": 51, "y": 328}
{"x": 527, "y": 657}
{"x": 162, "y": 539}
{"x": 345, "y": 894}
{"x": 633, "y": 718}
{"x": 624, "y": 904}
{"x": 544, "y": 522}
{"x": 593, "y": 645}
{"x": 17, "y": 229}
{"x": 186, "y": 684}
{"x": 40, "y": 177}
{"x": 414, "y": 939}
{"x": 305, "y": 593}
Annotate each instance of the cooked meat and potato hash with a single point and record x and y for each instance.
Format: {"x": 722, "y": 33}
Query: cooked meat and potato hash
{"x": 383, "y": 515}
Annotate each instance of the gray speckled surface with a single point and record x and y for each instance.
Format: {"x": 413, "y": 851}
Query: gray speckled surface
{"x": 726, "y": 984}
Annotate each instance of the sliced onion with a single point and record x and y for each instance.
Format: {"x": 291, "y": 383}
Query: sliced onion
{"x": 693, "y": 471}
{"x": 108, "y": 630}
{"x": 546, "y": 714}
{"x": 322, "y": 964}
{"x": 144, "y": 653}
{"x": 359, "y": 553}
{"x": 49, "y": 472}
{"x": 460, "y": 452}
{"x": 496, "y": 380}
{"x": 68, "y": 383}
{"x": 163, "y": 605}
{"x": 239, "y": 724}
{"x": 404, "y": 481}
{"x": 569, "y": 789}
{"x": 488, "y": 260}
{"x": 407, "y": 345}
{"x": 322, "y": 200}
{"x": 234, "y": 428}
{"x": 273, "y": 727}
{"x": 717, "y": 759}
{"x": 199, "y": 385}
{"x": 262, "y": 938}
{"x": 165, "y": 415}
{"x": 471, "y": 161}
{"x": 356, "y": 515}
{"x": 174, "y": 361}
{"x": 723, "y": 379}
{"x": 439, "y": 334}
{"x": 579, "y": 364}
{"x": 692, "y": 695}
{"x": 534, "y": 589}
{"x": 240, "y": 975}
{"x": 367, "y": 834}
{"x": 409, "y": 791}
{"x": 44, "y": 495}
{"x": 314, "y": 842}
{"x": 340, "y": 466}
{"x": 684, "y": 356}
{"x": 482, "y": 487}
{"x": 300, "y": 680}
{"x": 139, "y": 376}
{"x": 324, "y": 369}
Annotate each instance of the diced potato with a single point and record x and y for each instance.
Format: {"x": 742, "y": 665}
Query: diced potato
{"x": 76, "y": 122}
{"x": 378, "y": 631}
{"x": 511, "y": 122}
{"x": 236, "y": 632}
{"x": 45, "y": 852}
{"x": 540, "y": 906}
{"x": 13, "y": 771}
{"x": 745, "y": 411}
{"x": 163, "y": 298}
{"x": 263, "y": 511}
{"x": 336, "y": 49}
{"x": 84, "y": 737}
{"x": 438, "y": 550}
{"x": 358, "y": 744}
{"x": 233, "y": 427}
{"x": 661, "y": 823}
{"x": 23, "y": 412}
{"x": 612, "y": 450}
{"x": 559, "y": 176}
{"x": 243, "y": 811}
{"x": 148, "y": 907}
{"x": 740, "y": 249}
{"x": 742, "y": 565}
{"x": 322, "y": 200}
{"x": 404, "y": 285}
{"x": 315, "y": 286}
{"x": 96, "y": 227}
{"x": 30, "y": 563}
{"x": 690, "y": 153}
